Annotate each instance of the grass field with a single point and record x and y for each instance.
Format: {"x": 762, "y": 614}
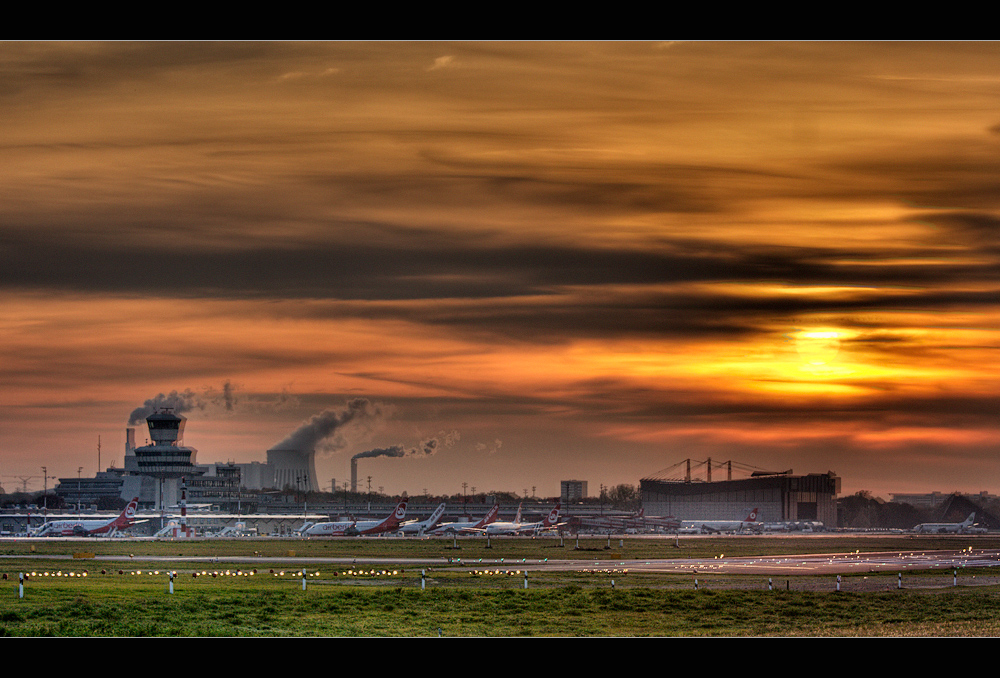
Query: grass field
{"x": 239, "y": 588}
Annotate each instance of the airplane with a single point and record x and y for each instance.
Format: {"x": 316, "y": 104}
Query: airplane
{"x": 944, "y": 528}
{"x": 353, "y": 528}
{"x": 90, "y": 528}
{"x": 550, "y": 522}
{"x": 420, "y": 527}
{"x": 708, "y": 526}
{"x": 465, "y": 528}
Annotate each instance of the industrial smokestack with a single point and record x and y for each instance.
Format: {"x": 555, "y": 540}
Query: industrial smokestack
{"x": 427, "y": 447}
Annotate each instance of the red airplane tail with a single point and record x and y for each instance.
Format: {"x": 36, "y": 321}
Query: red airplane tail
{"x": 490, "y": 516}
{"x": 398, "y": 514}
{"x": 553, "y": 516}
{"x": 127, "y": 516}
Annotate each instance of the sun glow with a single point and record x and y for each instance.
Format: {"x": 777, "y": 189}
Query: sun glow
{"x": 818, "y": 347}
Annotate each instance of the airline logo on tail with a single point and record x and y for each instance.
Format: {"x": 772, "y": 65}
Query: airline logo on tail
{"x": 128, "y": 515}
{"x": 400, "y": 511}
{"x": 752, "y": 518}
{"x": 491, "y": 516}
{"x": 553, "y": 516}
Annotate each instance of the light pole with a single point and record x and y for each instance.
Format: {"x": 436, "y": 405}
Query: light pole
{"x": 45, "y": 493}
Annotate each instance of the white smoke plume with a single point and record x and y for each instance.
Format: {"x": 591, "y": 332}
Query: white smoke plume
{"x": 327, "y": 430}
{"x": 490, "y": 449}
{"x": 179, "y": 402}
{"x": 209, "y": 397}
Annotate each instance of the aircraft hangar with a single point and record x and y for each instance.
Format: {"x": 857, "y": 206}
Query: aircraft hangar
{"x": 779, "y": 496}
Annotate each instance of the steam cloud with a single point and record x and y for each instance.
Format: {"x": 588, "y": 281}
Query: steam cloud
{"x": 179, "y": 402}
{"x": 188, "y": 400}
{"x": 426, "y": 447}
{"x": 490, "y": 449}
{"x": 228, "y": 397}
{"x": 326, "y": 429}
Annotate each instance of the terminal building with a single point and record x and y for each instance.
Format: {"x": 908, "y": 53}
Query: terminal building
{"x": 153, "y": 472}
{"x": 778, "y": 497}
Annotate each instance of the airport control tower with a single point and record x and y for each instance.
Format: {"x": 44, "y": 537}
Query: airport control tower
{"x": 166, "y": 457}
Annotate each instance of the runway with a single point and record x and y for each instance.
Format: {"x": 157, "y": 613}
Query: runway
{"x": 815, "y": 564}
{"x": 811, "y": 564}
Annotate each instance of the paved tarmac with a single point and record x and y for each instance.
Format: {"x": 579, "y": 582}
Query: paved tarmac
{"x": 838, "y": 563}
{"x": 814, "y": 564}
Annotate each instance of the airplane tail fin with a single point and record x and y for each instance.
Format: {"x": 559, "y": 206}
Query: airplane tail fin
{"x": 399, "y": 513}
{"x": 436, "y": 516}
{"x": 127, "y": 516}
{"x": 491, "y": 515}
{"x": 553, "y": 516}
{"x": 752, "y": 518}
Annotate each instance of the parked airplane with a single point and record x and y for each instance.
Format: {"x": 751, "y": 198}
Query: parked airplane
{"x": 89, "y": 528}
{"x": 944, "y": 528}
{"x": 550, "y": 522}
{"x": 352, "y": 528}
{"x": 708, "y": 526}
{"x": 467, "y": 527}
{"x": 421, "y": 526}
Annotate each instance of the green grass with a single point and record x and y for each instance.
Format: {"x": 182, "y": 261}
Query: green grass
{"x": 276, "y": 607}
{"x": 128, "y": 598}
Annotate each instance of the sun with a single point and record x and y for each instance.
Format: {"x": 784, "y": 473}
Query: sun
{"x": 817, "y": 347}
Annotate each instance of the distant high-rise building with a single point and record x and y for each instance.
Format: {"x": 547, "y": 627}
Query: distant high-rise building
{"x": 573, "y": 490}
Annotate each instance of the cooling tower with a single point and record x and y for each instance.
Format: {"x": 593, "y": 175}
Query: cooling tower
{"x": 294, "y": 469}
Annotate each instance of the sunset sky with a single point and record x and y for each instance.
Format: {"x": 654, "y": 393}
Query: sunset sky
{"x": 518, "y": 262}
